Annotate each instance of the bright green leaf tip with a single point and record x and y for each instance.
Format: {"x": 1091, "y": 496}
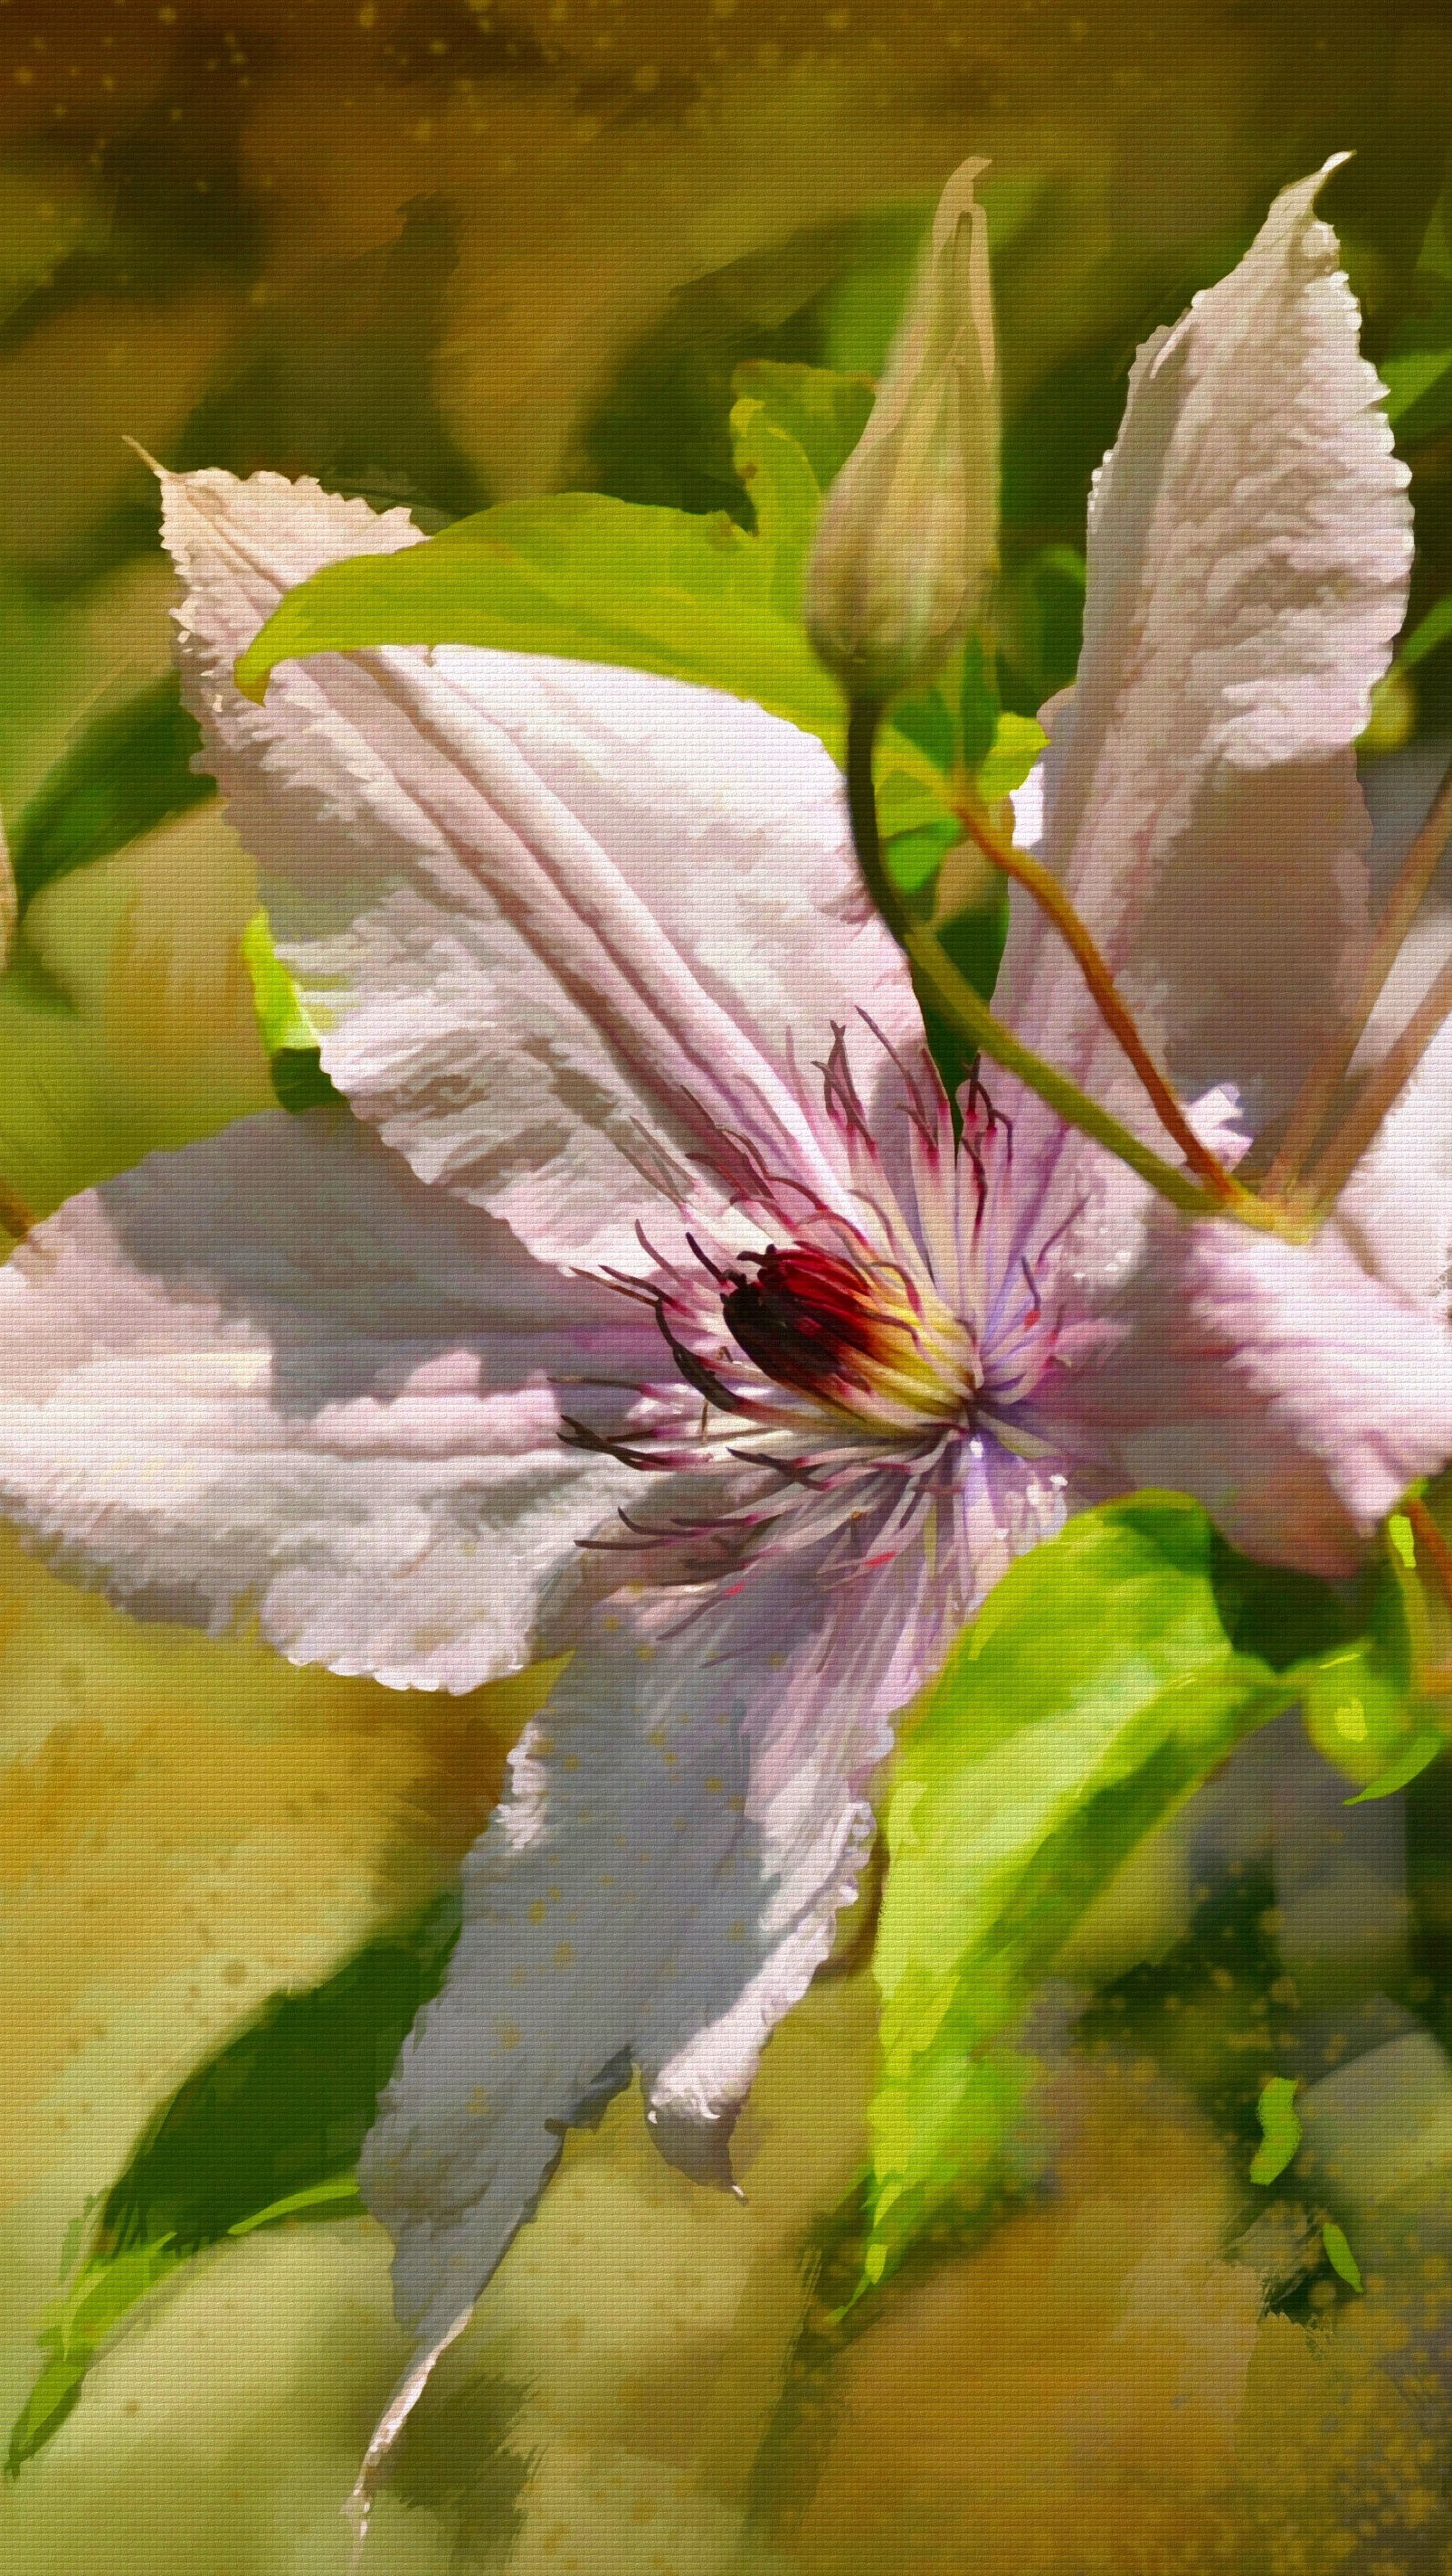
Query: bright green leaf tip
{"x": 1414, "y": 1758}
{"x": 1094, "y": 1691}
{"x": 1339, "y": 2254}
{"x": 1403, "y": 1538}
{"x": 1280, "y": 2129}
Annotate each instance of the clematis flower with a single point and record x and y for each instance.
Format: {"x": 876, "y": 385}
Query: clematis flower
{"x": 652, "y": 1306}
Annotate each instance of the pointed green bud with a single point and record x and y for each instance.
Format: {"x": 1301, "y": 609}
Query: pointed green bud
{"x": 905, "y": 549}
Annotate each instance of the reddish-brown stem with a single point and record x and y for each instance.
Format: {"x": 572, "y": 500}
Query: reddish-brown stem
{"x": 1329, "y": 1174}
{"x": 1329, "y": 1070}
{"x": 1049, "y": 895}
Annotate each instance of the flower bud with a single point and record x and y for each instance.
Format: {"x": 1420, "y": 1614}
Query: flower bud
{"x": 906, "y": 545}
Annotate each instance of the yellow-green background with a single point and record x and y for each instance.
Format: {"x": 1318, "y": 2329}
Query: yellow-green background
{"x": 450, "y": 254}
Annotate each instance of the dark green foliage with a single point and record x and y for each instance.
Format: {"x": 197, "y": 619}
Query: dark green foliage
{"x": 128, "y": 771}
{"x": 299, "y": 1080}
{"x": 277, "y": 2118}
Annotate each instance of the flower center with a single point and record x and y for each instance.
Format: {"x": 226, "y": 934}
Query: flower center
{"x": 870, "y": 1341}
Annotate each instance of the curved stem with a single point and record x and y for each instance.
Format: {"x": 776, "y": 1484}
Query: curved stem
{"x": 864, "y": 715}
{"x": 965, "y": 1010}
{"x": 1403, "y": 905}
{"x": 1329, "y": 1174}
{"x": 1051, "y": 899}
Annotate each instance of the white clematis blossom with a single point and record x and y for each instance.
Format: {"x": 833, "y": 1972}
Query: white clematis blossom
{"x": 649, "y": 1308}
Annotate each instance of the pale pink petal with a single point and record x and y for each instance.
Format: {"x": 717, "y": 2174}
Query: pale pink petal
{"x": 1396, "y": 1210}
{"x": 1248, "y": 558}
{"x": 274, "y": 1374}
{"x": 559, "y": 925}
{"x": 685, "y": 1821}
{"x": 1397, "y": 1207}
{"x": 1293, "y": 1394}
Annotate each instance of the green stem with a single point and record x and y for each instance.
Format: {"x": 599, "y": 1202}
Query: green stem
{"x": 965, "y": 1010}
{"x": 864, "y": 715}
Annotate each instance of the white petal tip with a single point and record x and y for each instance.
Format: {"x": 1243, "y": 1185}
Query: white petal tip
{"x": 355, "y": 2514}
{"x": 160, "y": 471}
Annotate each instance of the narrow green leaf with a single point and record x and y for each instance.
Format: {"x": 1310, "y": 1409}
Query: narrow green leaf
{"x": 1280, "y": 2128}
{"x": 1095, "y": 1689}
{"x": 269, "y": 2130}
{"x": 126, "y": 773}
{"x": 1430, "y": 631}
{"x": 340, "y": 2196}
{"x": 280, "y": 1014}
{"x": 1017, "y": 742}
{"x": 823, "y": 409}
{"x": 1417, "y": 369}
{"x": 783, "y": 492}
{"x": 1416, "y": 1755}
{"x": 293, "y": 1057}
{"x": 73, "y": 2330}
{"x": 1339, "y": 2254}
{"x": 914, "y": 858}
{"x": 978, "y": 707}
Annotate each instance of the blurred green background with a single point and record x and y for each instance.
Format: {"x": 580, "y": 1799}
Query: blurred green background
{"x": 444, "y": 254}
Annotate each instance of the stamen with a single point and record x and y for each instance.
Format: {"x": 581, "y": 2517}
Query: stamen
{"x": 695, "y": 1371}
{"x": 1328, "y": 1176}
{"x": 965, "y": 1010}
{"x": 1051, "y": 899}
{"x": 1321, "y": 1083}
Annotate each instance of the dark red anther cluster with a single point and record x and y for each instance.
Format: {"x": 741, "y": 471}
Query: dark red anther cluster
{"x": 803, "y": 1316}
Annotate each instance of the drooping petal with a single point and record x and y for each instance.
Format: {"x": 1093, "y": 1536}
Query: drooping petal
{"x": 685, "y": 1821}
{"x": 1293, "y": 1393}
{"x": 558, "y": 924}
{"x": 1248, "y": 557}
{"x": 274, "y": 1372}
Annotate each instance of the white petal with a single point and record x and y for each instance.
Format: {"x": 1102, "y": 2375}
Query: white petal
{"x": 274, "y": 1372}
{"x": 1248, "y": 558}
{"x": 559, "y": 924}
{"x": 685, "y": 1821}
{"x": 1397, "y": 1206}
{"x": 1396, "y": 1210}
{"x": 1294, "y": 1394}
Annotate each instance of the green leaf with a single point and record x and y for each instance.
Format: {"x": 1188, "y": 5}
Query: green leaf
{"x": 1416, "y": 1756}
{"x": 824, "y": 410}
{"x": 280, "y": 1015}
{"x": 1017, "y": 742}
{"x": 1417, "y": 369}
{"x": 1280, "y": 2128}
{"x": 270, "y": 2130}
{"x": 1428, "y": 633}
{"x": 73, "y": 2330}
{"x": 1339, "y": 2255}
{"x": 1095, "y": 1689}
{"x": 293, "y": 1057}
{"x": 128, "y": 772}
{"x": 593, "y": 579}
{"x": 914, "y": 858}
{"x": 1041, "y": 616}
{"x": 978, "y": 707}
